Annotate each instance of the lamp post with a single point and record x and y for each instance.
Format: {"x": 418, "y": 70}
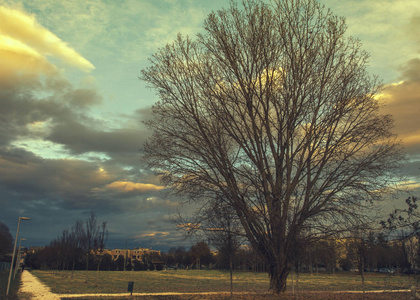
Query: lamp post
{"x": 18, "y": 258}
{"x": 13, "y": 257}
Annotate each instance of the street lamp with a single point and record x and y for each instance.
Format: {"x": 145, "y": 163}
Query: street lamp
{"x": 13, "y": 257}
{"x": 18, "y": 258}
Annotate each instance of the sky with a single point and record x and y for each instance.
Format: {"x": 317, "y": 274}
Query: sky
{"x": 72, "y": 107}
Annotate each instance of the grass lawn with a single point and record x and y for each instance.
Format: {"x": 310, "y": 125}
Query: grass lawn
{"x": 209, "y": 281}
{"x": 14, "y": 285}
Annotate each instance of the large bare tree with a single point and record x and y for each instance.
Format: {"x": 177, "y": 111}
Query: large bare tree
{"x": 272, "y": 110}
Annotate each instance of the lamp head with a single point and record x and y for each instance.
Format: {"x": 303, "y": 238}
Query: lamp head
{"x": 24, "y": 218}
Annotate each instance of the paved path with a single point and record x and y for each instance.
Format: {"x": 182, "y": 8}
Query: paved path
{"x": 33, "y": 287}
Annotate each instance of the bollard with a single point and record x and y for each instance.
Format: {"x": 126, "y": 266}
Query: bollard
{"x": 130, "y": 287}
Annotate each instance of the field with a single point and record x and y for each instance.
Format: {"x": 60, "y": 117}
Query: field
{"x": 193, "y": 281}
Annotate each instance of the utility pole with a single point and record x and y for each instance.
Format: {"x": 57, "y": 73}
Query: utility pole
{"x": 125, "y": 255}
{"x": 18, "y": 258}
{"x": 14, "y": 252}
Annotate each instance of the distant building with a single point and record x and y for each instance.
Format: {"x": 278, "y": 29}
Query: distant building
{"x": 34, "y": 249}
{"x": 135, "y": 254}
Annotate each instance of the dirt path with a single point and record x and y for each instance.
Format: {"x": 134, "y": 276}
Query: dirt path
{"x": 33, "y": 287}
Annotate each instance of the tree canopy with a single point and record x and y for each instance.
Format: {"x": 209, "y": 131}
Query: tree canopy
{"x": 272, "y": 111}
{"x": 6, "y": 240}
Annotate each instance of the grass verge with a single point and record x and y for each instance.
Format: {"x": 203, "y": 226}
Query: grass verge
{"x": 14, "y": 285}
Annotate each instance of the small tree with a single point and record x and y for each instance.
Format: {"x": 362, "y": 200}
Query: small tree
{"x": 180, "y": 256}
{"x": 407, "y": 221}
{"x": 120, "y": 263}
{"x": 107, "y": 263}
{"x": 201, "y": 254}
{"x": 128, "y": 265}
{"x": 220, "y": 226}
{"x": 99, "y": 243}
{"x": 90, "y": 238}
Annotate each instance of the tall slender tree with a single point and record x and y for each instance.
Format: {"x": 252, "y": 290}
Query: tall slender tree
{"x": 218, "y": 224}
{"x": 99, "y": 244}
{"x": 272, "y": 110}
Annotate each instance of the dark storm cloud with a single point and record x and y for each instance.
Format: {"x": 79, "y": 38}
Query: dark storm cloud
{"x": 410, "y": 70}
{"x": 36, "y": 178}
{"x": 83, "y": 97}
{"x": 53, "y": 101}
{"x": 58, "y": 158}
{"x": 56, "y": 192}
{"x": 80, "y": 138}
{"x": 72, "y": 183}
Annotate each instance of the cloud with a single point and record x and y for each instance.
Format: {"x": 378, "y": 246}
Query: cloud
{"x": 33, "y": 177}
{"x": 81, "y": 138}
{"x": 23, "y": 35}
{"x": 32, "y": 108}
{"x": 59, "y": 158}
{"x": 413, "y": 27}
{"x": 383, "y": 28}
{"x": 131, "y": 187}
{"x": 34, "y": 95}
{"x": 153, "y": 234}
{"x": 15, "y": 56}
{"x": 402, "y": 99}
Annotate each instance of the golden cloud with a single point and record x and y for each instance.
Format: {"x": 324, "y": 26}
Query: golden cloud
{"x": 129, "y": 187}
{"x": 17, "y": 59}
{"x": 23, "y": 37}
{"x": 153, "y": 234}
{"x": 409, "y": 185}
{"x": 402, "y": 101}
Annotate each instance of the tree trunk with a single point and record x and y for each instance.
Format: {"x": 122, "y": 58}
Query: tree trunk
{"x": 278, "y": 276}
{"x": 87, "y": 267}
{"x": 99, "y": 263}
{"x": 72, "y": 270}
{"x": 231, "y": 275}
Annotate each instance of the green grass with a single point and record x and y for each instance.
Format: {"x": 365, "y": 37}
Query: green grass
{"x": 14, "y": 285}
{"x": 205, "y": 281}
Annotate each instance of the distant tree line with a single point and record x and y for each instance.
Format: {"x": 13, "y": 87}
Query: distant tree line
{"x": 83, "y": 245}
{"x": 371, "y": 253}
{"x": 75, "y": 249}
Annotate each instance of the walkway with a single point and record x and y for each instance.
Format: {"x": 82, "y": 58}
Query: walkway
{"x": 33, "y": 287}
